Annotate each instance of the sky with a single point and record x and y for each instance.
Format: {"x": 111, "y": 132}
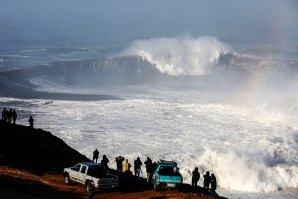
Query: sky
{"x": 122, "y": 21}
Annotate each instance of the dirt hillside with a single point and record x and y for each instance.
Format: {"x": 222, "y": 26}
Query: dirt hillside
{"x": 31, "y": 164}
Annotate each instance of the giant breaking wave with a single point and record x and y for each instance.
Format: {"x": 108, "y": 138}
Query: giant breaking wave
{"x": 180, "y": 56}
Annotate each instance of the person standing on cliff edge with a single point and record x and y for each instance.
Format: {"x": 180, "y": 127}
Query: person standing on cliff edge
{"x": 95, "y": 155}
{"x": 31, "y": 120}
{"x": 14, "y": 116}
{"x": 195, "y": 177}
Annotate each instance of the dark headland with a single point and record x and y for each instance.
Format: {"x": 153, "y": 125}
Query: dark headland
{"x": 31, "y": 164}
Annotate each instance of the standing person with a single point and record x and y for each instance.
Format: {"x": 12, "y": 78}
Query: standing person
{"x": 4, "y": 114}
{"x": 9, "y": 115}
{"x": 152, "y": 168}
{"x": 95, "y": 155}
{"x": 148, "y": 164}
{"x": 207, "y": 180}
{"x": 14, "y": 116}
{"x": 126, "y": 168}
{"x": 31, "y": 120}
{"x": 105, "y": 161}
{"x": 213, "y": 185}
{"x": 137, "y": 167}
{"x": 195, "y": 177}
{"x": 119, "y": 161}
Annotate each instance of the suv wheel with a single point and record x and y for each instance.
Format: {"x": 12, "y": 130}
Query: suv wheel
{"x": 156, "y": 187}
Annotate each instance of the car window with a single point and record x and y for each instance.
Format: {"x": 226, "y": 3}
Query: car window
{"x": 168, "y": 171}
{"x": 97, "y": 171}
{"x": 76, "y": 167}
{"x": 83, "y": 169}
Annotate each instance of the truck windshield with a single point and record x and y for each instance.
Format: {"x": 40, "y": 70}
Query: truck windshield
{"x": 97, "y": 171}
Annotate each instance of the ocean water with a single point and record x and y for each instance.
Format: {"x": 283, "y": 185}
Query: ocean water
{"x": 242, "y": 128}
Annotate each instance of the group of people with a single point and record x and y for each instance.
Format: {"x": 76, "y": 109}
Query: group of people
{"x": 9, "y": 115}
{"x": 123, "y": 166}
{"x": 104, "y": 160}
{"x": 208, "y": 180}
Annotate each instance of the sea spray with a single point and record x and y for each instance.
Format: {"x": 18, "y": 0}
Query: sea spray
{"x": 249, "y": 172}
{"x": 236, "y": 171}
{"x": 180, "y": 56}
{"x": 249, "y": 148}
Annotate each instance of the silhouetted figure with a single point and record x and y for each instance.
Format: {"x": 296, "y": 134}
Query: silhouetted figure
{"x": 95, "y": 155}
{"x": 14, "y": 116}
{"x": 3, "y": 118}
{"x": 126, "y": 168}
{"x": 6, "y": 115}
{"x": 213, "y": 185}
{"x": 152, "y": 168}
{"x": 119, "y": 161}
{"x": 31, "y": 120}
{"x": 148, "y": 164}
{"x": 137, "y": 167}
{"x": 105, "y": 161}
{"x": 207, "y": 180}
{"x": 195, "y": 177}
{"x": 9, "y": 116}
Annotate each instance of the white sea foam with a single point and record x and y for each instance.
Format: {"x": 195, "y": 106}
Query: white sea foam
{"x": 247, "y": 151}
{"x": 249, "y": 172}
{"x": 27, "y": 51}
{"x": 16, "y": 56}
{"x": 180, "y": 56}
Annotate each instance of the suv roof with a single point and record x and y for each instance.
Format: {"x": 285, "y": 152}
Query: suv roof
{"x": 167, "y": 163}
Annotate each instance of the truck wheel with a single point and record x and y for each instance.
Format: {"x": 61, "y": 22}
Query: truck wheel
{"x": 67, "y": 179}
{"x": 90, "y": 188}
{"x": 178, "y": 186}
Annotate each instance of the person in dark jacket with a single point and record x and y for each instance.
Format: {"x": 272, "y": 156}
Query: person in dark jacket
{"x": 31, "y": 120}
{"x": 14, "y": 116}
{"x": 207, "y": 180}
{"x": 148, "y": 164}
{"x": 213, "y": 185}
{"x": 195, "y": 177}
{"x": 9, "y": 116}
{"x": 137, "y": 167}
{"x": 119, "y": 160}
{"x": 105, "y": 161}
{"x": 4, "y": 114}
{"x": 95, "y": 155}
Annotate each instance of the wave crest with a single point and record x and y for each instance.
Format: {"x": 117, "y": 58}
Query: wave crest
{"x": 180, "y": 56}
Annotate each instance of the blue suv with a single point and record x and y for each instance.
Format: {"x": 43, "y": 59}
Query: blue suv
{"x": 166, "y": 174}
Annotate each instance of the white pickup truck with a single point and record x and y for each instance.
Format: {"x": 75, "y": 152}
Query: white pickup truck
{"x": 93, "y": 175}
